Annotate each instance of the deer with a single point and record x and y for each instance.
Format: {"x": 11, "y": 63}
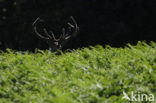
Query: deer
{"x": 49, "y": 36}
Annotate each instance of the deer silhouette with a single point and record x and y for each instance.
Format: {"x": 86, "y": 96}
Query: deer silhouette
{"x": 49, "y": 36}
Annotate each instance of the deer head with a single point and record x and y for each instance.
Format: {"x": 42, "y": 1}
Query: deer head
{"x": 53, "y": 42}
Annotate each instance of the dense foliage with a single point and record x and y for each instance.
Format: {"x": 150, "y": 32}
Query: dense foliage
{"x": 88, "y": 75}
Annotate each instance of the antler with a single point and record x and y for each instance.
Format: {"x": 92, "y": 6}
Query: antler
{"x": 64, "y": 37}
{"x": 35, "y": 29}
{"x": 73, "y": 26}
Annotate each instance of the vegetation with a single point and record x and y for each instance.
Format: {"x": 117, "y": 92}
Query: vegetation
{"x": 88, "y": 75}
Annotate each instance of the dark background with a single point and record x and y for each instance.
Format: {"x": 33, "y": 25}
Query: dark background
{"x": 111, "y": 22}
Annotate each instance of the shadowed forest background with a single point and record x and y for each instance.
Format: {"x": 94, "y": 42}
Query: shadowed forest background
{"x": 112, "y": 22}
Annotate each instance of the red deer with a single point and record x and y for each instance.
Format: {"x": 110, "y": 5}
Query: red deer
{"x": 49, "y": 36}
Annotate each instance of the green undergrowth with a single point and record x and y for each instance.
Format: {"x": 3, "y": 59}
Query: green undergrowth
{"x": 87, "y": 75}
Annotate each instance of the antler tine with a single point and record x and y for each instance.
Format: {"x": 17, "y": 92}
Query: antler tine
{"x": 35, "y": 21}
{"x": 72, "y": 26}
{"x": 74, "y": 21}
{"x": 46, "y": 32}
{"x": 75, "y": 24}
{"x": 62, "y": 35}
{"x": 38, "y": 19}
{"x": 65, "y": 36}
{"x": 35, "y": 29}
{"x": 40, "y": 34}
{"x": 52, "y": 34}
